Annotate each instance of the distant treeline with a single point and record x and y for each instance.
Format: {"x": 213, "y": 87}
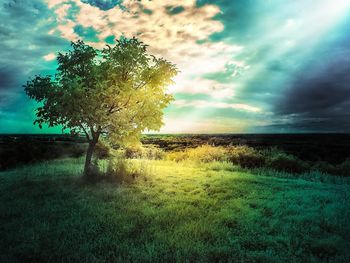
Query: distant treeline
{"x": 17, "y": 150}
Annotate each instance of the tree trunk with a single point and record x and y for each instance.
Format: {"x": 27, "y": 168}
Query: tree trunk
{"x": 89, "y": 153}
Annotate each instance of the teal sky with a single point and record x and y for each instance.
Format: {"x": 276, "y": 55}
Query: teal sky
{"x": 255, "y": 66}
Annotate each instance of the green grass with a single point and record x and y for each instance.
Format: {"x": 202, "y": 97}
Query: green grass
{"x": 176, "y": 212}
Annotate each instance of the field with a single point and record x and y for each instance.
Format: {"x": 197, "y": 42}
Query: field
{"x": 162, "y": 210}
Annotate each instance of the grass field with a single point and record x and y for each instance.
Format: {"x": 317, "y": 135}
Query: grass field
{"x": 173, "y": 212}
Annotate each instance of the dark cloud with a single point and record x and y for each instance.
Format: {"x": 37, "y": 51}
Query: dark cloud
{"x": 306, "y": 87}
{"x": 25, "y": 33}
{"x": 325, "y": 91}
{"x": 49, "y": 41}
{"x": 319, "y": 95}
{"x": 11, "y": 81}
{"x": 103, "y": 4}
{"x": 312, "y": 123}
{"x": 24, "y": 40}
{"x": 7, "y": 77}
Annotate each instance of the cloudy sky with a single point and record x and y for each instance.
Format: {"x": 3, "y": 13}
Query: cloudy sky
{"x": 246, "y": 65}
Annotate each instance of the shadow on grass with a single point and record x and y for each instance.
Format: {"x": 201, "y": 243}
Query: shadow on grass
{"x": 48, "y": 219}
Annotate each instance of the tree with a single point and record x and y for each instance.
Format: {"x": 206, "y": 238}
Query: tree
{"x": 118, "y": 91}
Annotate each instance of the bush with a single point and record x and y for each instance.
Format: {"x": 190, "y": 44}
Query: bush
{"x": 102, "y": 150}
{"x": 94, "y": 172}
{"x": 134, "y": 152}
{"x": 177, "y": 156}
{"x": 117, "y": 170}
{"x": 122, "y": 170}
{"x": 248, "y": 157}
{"x": 344, "y": 168}
{"x": 204, "y": 153}
{"x": 139, "y": 152}
{"x": 324, "y": 167}
{"x": 281, "y": 161}
{"x": 153, "y": 153}
{"x": 207, "y": 153}
{"x": 245, "y": 156}
{"x": 78, "y": 150}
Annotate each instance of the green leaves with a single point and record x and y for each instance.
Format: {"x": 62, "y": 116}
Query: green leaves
{"x": 39, "y": 87}
{"x": 118, "y": 91}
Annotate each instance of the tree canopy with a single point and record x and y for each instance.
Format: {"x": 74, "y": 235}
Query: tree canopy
{"x": 119, "y": 91}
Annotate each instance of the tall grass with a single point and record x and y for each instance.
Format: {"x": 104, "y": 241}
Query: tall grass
{"x": 204, "y": 153}
{"x": 248, "y": 157}
{"x": 183, "y": 212}
{"x": 150, "y": 152}
{"x": 126, "y": 171}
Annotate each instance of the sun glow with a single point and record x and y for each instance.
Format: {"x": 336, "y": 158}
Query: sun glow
{"x": 336, "y": 8}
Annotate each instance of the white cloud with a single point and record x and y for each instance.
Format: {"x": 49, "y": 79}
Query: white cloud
{"x": 202, "y": 86}
{"x": 215, "y": 104}
{"x": 217, "y": 125}
{"x": 67, "y": 30}
{"x": 49, "y": 57}
{"x": 62, "y": 11}
{"x": 174, "y": 37}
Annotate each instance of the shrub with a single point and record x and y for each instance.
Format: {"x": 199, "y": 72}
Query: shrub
{"x": 245, "y": 156}
{"x": 324, "y": 167}
{"x": 281, "y": 161}
{"x": 344, "y": 168}
{"x": 94, "y": 172}
{"x": 177, "y": 156}
{"x": 102, "y": 150}
{"x": 78, "y": 150}
{"x": 139, "y": 152}
{"x": 117, "y": 170}
{"x": 204, "y": 153}
{"x": 122, "y": 170}
{"x": 207, "y": 153}
{"x": 153, "y": 153}
{"x": 134, "y": 152}
{"x": 248, "y": 157}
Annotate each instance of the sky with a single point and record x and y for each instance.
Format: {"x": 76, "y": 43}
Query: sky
{"x": 247, "y": 66}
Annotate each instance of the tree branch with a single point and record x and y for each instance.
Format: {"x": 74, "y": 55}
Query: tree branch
{"x": 86, "y": 133}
